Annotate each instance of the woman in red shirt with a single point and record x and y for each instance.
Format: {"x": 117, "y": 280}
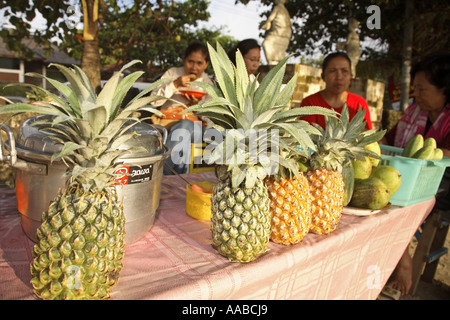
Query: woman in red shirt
{"x": 336, "y": 72}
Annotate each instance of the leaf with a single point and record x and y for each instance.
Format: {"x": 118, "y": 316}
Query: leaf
{"x": 250, "y": 177}
{"x": 121, "y": 91}
{"x": 265, "y": 117}
{"x": 242, "y": 80}
{"x": 286, "y": 93}
{"x": 267, "y": 92}
{"x": 223, "y": 70}
{"x": 67, "y": 149}
{"x": 78, "y": 81}
{"x": 106, "y": 96}
{"x": 25, "y": 107}
{"x": 97, "y": 118}
{"x": 238, "y": 176}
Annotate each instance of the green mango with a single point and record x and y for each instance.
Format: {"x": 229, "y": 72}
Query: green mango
{"x": 413, "y": 145}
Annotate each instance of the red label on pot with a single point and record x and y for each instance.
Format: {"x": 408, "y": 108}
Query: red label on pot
{"x": 134, "y": 174}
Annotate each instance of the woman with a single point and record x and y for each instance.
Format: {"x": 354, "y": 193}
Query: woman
{"x": 195, "y": 62}
{"x": 251, "y": 52}
{"x": 181, "y": 134}
{"x": 429, "y": 115}
{"x": 336, "y": 72}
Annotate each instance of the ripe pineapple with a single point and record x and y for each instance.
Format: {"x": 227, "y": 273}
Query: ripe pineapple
{"x": 80, "y": 243}
{"x": 341, "y": 142}
{"x": 290, "y": 203}
{"x": 259, "y": 120}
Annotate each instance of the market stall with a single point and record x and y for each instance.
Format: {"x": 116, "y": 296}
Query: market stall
{"x": 175, "y": 259}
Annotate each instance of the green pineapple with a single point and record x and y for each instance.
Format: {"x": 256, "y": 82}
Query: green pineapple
{"x": 80, "y": 243}
{"x": 254, "y": 123}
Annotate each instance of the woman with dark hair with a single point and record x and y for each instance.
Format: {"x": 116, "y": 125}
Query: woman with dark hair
{"x": 182, "y": 133}
{"x": 429, "y": 116}
{"x": 251, "y": 52}
{"x": 195, "y": 62}
{"x": 337, "y": 74}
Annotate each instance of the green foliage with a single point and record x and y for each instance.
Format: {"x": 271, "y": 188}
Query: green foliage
{"x": 156, "y": 32}
{"x": 319, "y": 25}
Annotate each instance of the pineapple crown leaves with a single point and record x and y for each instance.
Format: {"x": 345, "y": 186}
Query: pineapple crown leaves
{"x": 90, "y": 127}
{"x": 239, "y": 104}
{"x": 80, "y": 103}
{"x": 343, "y": 140}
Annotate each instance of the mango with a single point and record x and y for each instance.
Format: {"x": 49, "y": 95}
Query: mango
{"x": 374, "y": 147}
{"x": 429, "y": 142}
{"x": 370, "y": 193}
{"x": 425, "y": 153}
{"x": 390, "y": 176}
{"x": 438, "y": 154}
{"x": 362, "y": 168}
{"x": 413, "y": 145}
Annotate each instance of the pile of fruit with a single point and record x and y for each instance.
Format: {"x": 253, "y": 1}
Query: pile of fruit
{"x": 374, "y": 184}
{"x": 418, "y": 148}
{"x": 252, "y": 203}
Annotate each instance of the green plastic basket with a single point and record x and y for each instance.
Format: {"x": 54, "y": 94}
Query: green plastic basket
{"x": 420, "y": 178}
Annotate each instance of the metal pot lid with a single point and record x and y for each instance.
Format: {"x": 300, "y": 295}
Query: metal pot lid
{"x": 33, "y": 139}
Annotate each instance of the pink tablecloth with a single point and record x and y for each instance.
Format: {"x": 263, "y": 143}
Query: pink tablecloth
{"x": 175, "y": 260}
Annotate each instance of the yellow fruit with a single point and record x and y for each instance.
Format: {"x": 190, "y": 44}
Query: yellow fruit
{"x": 290, "y": 209}
{"x": 425, "y": 153}
{"x": 327, "y": 190}
{"x": 362, "y": 168}
{"x": 374, "y": 147}
{"x": 429, "y": 142}
{"x": 438, "y": 154}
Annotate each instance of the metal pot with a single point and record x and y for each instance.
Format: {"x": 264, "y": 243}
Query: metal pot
{"x": 38, "y": 180}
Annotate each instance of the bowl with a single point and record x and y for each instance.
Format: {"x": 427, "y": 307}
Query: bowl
{"x": 198, "y": 204}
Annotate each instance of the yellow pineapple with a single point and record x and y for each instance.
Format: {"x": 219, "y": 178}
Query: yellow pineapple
{"x": 327, "y": 191}
{"x": 290, "y": 208}
{"x": 340, "y": 142}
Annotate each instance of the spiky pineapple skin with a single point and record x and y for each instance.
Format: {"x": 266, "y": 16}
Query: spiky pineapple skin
{"x": 240, "y": 221}
{"x": 80, "y": 246}
{"x": 290, "y": 208}
{"x": 327, "y": 191}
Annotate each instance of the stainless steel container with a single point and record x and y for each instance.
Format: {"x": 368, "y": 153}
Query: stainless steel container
{"x": 38, "y": 179}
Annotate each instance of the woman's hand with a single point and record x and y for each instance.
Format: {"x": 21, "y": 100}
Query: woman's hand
{"x": 183, "y": 80}
{"x": 192, "y": 99}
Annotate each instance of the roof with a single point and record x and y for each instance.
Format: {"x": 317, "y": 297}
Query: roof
{"x": 56, "y": 55}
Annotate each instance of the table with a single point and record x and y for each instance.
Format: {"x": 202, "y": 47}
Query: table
{"x": 175, "y": 260}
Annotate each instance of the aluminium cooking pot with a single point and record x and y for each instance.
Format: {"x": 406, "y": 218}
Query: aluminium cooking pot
{"x": 38, "y": 179}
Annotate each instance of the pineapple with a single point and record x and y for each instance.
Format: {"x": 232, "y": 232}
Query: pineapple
{"x": 340, "y": 142}
{"x": 257, "y": 119}
{"x": 80, "y": 242}
{"x": 290, "y": 201}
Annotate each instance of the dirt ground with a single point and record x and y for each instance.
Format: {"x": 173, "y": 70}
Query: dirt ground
{"x": 439, "y": 289}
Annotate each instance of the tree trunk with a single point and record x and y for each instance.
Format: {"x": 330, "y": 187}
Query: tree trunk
{"x": 90, "y": 61}
{"x": 407, "y": 54}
